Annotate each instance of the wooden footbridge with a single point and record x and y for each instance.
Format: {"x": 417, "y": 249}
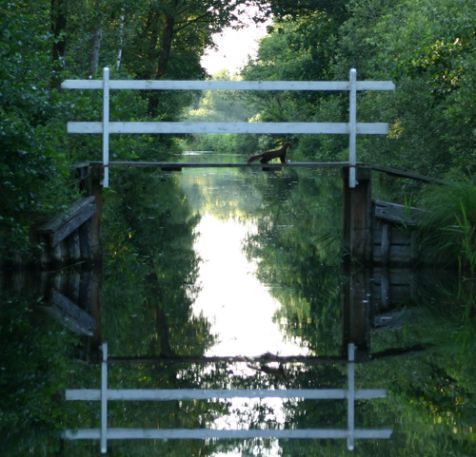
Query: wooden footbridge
{"x": 351, "y": 128}
{"x": 367, "y": 224}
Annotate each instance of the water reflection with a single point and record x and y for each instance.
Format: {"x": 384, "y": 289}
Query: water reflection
{"x": 240, "y": 308}
{"x": 269, "y": 282}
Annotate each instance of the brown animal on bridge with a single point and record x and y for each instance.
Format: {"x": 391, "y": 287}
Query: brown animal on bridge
{"x": 266, "y": 156}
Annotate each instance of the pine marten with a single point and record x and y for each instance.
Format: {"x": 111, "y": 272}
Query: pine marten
{"x": 266, "y": 156}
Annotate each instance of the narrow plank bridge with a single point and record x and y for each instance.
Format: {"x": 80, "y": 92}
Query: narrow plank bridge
{"x": 351, "y": 128}
{"x": 360, "y": 218}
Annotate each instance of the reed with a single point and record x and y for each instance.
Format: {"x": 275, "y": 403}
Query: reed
{"x": 448, "y": 227}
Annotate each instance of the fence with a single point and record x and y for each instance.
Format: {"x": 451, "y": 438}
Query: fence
{"x": 351, "y": 128}
{"x": 104, "y": 395}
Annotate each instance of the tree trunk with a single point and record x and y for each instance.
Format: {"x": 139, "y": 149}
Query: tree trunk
{"x": 95, "y": 50}
{"x": 120, "y": 43}
{"x": 58, "y": 29}
{"x": 163, "y": 332}
{"x": 166, "y": 40}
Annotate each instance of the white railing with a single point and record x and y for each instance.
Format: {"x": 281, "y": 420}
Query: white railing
{"x": 351, "y": 128}
{"x": 104, "y": 395}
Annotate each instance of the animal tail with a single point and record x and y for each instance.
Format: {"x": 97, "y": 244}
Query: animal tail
{"x": 253, "y": 158}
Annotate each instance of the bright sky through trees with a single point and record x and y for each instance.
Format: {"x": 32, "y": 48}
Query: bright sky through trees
{"x": 234, "y": 47}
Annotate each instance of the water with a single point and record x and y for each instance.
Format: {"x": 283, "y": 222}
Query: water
{"x": 205, "y": 266}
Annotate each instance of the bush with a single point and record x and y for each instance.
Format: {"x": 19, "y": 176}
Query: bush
{"x": 449, "y": 226}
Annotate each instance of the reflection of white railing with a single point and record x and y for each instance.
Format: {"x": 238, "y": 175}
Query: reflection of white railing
{"x": 105, "y": 394}
{"x": 351, "y": 128}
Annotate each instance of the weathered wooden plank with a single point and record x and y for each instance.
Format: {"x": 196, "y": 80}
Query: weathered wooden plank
{"x": 405, "y": 174}
{"x": 400, "y": 253}
{"x": 397, "y": 234}
{"x": 58, "y": 252}
{"x": 63, "y": 225}
{"x": 313, "y": 128}
{"x": 71, "y": 315}
{"x": 227, "y": 85}
{"x": 209, "y": 394}
{"x": 397, "y": 213}
{"x": 202, "y": 360}
{"x": 392, "y": 286}
{"x": 73, "y": 246}
{"x": 205, "y": 434}
{"x": 84, "y": 242}
{"x": 385, "y": 243}
{"x": 180, "y": 165}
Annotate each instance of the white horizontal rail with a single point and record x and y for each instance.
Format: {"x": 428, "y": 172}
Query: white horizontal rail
{"x": 103, "y": 434}
{"x": 373, "y": 128}
{"x": 207, "y": 394}
{"x": 227, "y": 85}
{"x": 203, "y": 434}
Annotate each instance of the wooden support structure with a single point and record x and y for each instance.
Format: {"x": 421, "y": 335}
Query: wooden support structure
{"x": 356, "y": 310}
{"x": 71, "y": 315}
{"x": 357, "y": 220}
{"x": 394, "y": 235}
{"x": 70, "y": 237}
{"x": 393, "y": 287}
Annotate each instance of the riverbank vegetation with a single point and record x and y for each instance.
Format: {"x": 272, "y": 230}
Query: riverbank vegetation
{"x": 427, "y": 48}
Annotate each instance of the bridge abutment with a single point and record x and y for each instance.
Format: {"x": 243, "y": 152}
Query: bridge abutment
{"x": 357, "y": 217}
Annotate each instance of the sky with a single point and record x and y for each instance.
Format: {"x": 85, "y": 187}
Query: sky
{"x": 234, "y": 47}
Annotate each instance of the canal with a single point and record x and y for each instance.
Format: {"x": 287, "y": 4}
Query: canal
{"x": 232, "y": 279}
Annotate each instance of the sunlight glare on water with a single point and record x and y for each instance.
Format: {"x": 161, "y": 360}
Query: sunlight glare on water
{"x": 238, "y": 306}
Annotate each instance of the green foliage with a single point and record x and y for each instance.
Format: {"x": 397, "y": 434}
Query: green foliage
{"x": 428, "y": 49}
{"x": 33, "y": 372}
{"x": 220, "y": 106}
{"x": 449, "y": 223}
{"x": 42, "y": 43}
{"x": 33, "y": 163}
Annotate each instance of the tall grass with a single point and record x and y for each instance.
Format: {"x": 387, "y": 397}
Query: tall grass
{"x": 449, "y": 224}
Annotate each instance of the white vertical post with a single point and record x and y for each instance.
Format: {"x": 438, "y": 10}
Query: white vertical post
{"x": 105, "y": 127}
{"x": 350, "y": 396}
{"x": 104, "y": 395}
{"x": 352, "y": 127}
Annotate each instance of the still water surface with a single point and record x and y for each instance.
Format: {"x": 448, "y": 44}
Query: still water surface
{"x": 229, "y": 263}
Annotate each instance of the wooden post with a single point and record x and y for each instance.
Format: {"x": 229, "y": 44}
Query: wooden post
{"x": 358, "y": 242}
{"x": 356, "y": 304}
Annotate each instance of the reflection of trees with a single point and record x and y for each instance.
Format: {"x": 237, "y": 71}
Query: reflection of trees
{"x": 34, "y": 366}
{"x": 149, "y": 287}
{"x": 431, "y": 392}
{"x": 297, "y": 248}
{"x": 220, "y": 192}
{"x": 151, "y": 270}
